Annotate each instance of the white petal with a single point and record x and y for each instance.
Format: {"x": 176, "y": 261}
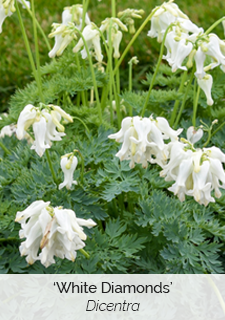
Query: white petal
{"x": 199, "y": 61}
{"x": 193, "y": 135}
{"x": 206, "y": 85}
{"x": 26, "y": 118}
{"x": 68, "y": 173}
{"x": 39, "y": 129}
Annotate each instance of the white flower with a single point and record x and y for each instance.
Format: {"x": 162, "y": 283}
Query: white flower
{"x": 92, "y": 38}
{"x": 194, "y": 135}
{"x": 143, "y": 138}
{"x": 183, "y": 50}
{"x": 40, "y": 128}
{"x": 201, "y": 188}
{"x": 128, "y": 15}
{"x": 44, "y": 120}
{"x": 7, "y": 130}
{"x": 206, "y": 85}
{"x": 165, "y": 128}
{"x": 25, "y": 120}
{"x": 68, "y": 164}
{"x": 64, "y": 33}
{"x": 74, "y": 14}
{"x": 164, "y": 16}
{"x": 51, "y": 133}
{"x": 116, "y": 39}
{"x": 199, "y": 62}
{"x": 32, "y": 211}
{"x": 54, "y": 231}
{"x": 116, "y": 34}
{"x": 7, "y": 8}
{"x": 63, "y": 37}
{"x": 196, "y": 172}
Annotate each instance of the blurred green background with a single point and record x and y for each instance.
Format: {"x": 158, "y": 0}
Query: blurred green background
{"x": 14, "y": 63}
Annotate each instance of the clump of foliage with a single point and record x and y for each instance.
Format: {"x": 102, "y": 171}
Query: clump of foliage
{"x": 142, "y": 227}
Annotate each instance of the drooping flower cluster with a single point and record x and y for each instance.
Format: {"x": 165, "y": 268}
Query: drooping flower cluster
{"x": 197, "y": 172}
{"x": 143, "y": 140}
{"x": 128, "y": 17}
{"x": 54, "y": 231}
{"x": 64, "y": 33}
{"x": 68, "y": 164}
{"x": 7, "y": 8}
{"x": 44, "y": 120}
{"x": 116, "y": 34}
{"x": 186, "y": 40}
{"x": 92, "y": 37}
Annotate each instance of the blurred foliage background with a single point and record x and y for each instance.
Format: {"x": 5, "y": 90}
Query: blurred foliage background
{"x": 14, "y": 63}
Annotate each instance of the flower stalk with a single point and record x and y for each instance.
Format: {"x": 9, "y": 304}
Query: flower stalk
{"x": 37, "y": 52}
{"x": 176, "y": 104}
{"x": 93, "y": 75}
{"x": 195, "y": 108}
{"x": 51, "y": 167}
{"x": 38, "y": 25}
{"x": 133, "y": 39}
{"x": 26, "y": 42}
{"x": 185, "y": 98}
{"x": 87, "y": 255}
{"x": 155, "y": 73}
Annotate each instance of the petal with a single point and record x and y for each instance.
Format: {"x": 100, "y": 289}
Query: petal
{"x": 194, "y": 135}
{"x": 34, "y": 209}
{"x": 68, "y": 172}
{"x": 39, "y": 129}
{"x": 199, "y": 61}
{"x": 119, "y": 136}
{"x": 215, "y": 153}
{"x": 206, "y": 85}
{"x": 165, "y": 128}
{"x": 26, "y": 118}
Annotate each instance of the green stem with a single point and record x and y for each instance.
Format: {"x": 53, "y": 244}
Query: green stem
{"x": 38, "y": 25}
{"x": 109, "y": 53}
{"x": 37, "y": 53}
{"x": 4, "y": 148}
{"x": 79, "y": 70}
{"x": 177, "y": 102}
{"x": 85, "y": 7}
{"x": 130, "y": 76}
{"x": 214, "y": 25}
{"x": 134, "y": 38}
{"x": 209, "y": 137}
{"x": 82, "y": 123}
{"x": 218, "y": 128}
{"x": 185, "y": 98}
{"x": 195, "y": 108}
{"x": 155, "y": 73}
{"x": 93, "y": 76}
{"x": 112, "y": 80}
{"x": 87, "y": 255}
{"x": 113, "y": 7}
{"x": 51, "y": 167}
{"x": 78, "y": 99}
{"x": 105, "y": 90}
{"x": 130, "y": 87}
{"x": 26, "y": 42}
{"x": 117, "y": 78}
